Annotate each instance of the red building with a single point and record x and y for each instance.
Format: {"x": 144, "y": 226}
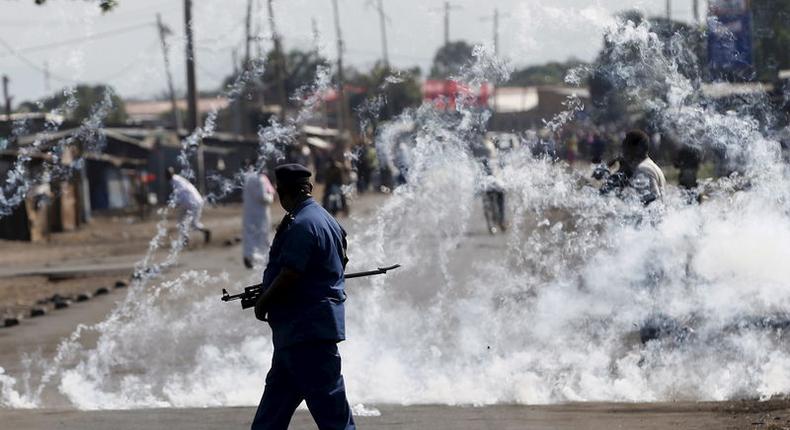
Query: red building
{"x": 446, "y": 94}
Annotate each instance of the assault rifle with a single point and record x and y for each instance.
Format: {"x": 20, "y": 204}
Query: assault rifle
{"x": 250, "y": 295}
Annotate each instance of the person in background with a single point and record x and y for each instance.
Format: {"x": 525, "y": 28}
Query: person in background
{"x": 687, "y": 161}
{"x": 367, "y": 164}
{"x": 571, "y": 148}
{"x": 636, "y": 170}
{"x": 645, "y": 175}
{"x": 334, "y": 199}
{"x": 257, "y": 197}
{"x": 189, "y": 203}
{"x": 597, "y": 148}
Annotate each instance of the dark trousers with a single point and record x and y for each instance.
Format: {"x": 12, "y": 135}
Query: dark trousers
{"x": 307, "y": 371}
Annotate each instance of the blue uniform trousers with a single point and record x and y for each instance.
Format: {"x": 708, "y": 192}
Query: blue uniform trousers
{"x": 308, "y": 371}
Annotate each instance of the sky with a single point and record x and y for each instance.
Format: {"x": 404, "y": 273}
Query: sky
{"x": 77, "y": 43}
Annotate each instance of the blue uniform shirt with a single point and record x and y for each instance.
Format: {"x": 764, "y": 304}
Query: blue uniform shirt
{"x": 313, "y": 245}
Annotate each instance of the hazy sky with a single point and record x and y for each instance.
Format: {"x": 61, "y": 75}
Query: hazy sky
{"x": 122, "y": 47}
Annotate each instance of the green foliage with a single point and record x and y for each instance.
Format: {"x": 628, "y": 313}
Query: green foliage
{"x": 300, "y": 69}
{"x": 398, "y": 89}
{"x": 684, "y": 44}
{"x": 545, "y": 74}
{"x": 79, "y": 104}
{"x": 104, "y": 5}
{"x": 450, "y": 58}
{"x": 771, "y": 37}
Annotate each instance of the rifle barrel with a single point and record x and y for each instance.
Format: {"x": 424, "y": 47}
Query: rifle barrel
{"x": 254, "y": 290}
{"x": 379, "y": 271}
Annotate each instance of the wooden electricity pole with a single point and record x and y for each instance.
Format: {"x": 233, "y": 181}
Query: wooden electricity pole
{"x": 47, "y": 85}
{"x": 279, "y": 63}
{"x": 7, "y": 98}
{"x": 342, "y": 117}
{"x": 695, "y": 7}
{"x": 247, "y": 34}
{"x": 495, "y": 19}
{"x": 163, "y": 32}
{"x": 446, "y": 23}
{"x": 669, "y": 11}
{"x": 496, "y": 31}
{"x": 383, "y": 25}
{"x": 192, "y": 111}
{"x": 447, "y": 8}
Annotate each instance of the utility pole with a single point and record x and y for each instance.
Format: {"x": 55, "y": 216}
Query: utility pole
{"x": 446, "y": 23}
{"x": 383, "y": 24}
{"x": 279, "y": 63}
{"x": 341, "y": 94}
{"x": 7, "y": 98}
{"x": 258, "y": 29}
{"x": 247, "y": 34}
{"x": 316, "y": 36}
{"x": 695, "y": 7}
{"x": 495, "y": 19}
{"x": 447, "y": 8}
{"x": 239, "y": 105}
{"x": 669, "y": 12}
{"x": 496, "y": 32}
{"x": 163, "y": 32}
{"x": 192, "y": 112}
{"x": 317, "y": 52}
{"x": 47, "y": 87}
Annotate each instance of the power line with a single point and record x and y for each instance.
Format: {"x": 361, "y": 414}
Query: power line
{"x": 79, "y": 39}
{"x": 209, "y": 72}
{"x": 33, "y": 65}
{"x": 396, "y": 55}
{"x": 106, "y": 78}
{"x": 128, "y": 67}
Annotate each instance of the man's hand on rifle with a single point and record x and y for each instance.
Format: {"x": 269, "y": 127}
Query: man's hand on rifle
{"x": 286, "y": 279}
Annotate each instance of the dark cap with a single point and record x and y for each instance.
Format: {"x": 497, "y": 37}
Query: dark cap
{"x": 292, "y": 174}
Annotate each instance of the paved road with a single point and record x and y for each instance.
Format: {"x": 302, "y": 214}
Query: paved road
{"x": 591, "y": 416}
{"x": 43, "y": 335}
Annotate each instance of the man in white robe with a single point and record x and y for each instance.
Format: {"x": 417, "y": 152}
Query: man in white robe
{"x": 258, "y": 195}
{"x": 189, "y": 203}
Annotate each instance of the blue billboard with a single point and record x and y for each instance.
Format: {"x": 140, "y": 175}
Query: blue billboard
{"x": 730, "y": 39}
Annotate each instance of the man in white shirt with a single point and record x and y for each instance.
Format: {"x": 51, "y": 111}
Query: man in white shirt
{"x": 257, "y": 196}
{"x": 645, "y": 175}
{"x": 189, "y": 202}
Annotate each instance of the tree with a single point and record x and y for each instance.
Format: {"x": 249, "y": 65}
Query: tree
{"x": 450, "y": 58}
{"x": 552, "y": 73}
{"x": 87, "y": 99}
{"x": 301, "y": 68}
{"x": 683, "y": 44}
{"x": 105, "y": 5}
{"x": 386, "y": 92}
{"x": 771, "y": 37}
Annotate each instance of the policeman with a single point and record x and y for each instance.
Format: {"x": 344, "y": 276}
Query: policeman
{"x": 303, "y": 303}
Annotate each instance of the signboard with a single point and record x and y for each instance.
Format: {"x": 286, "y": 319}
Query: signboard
{"x": 452, "y": 95}
{"x": 729, "y": 38}
{"x": 728, "y": 7}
